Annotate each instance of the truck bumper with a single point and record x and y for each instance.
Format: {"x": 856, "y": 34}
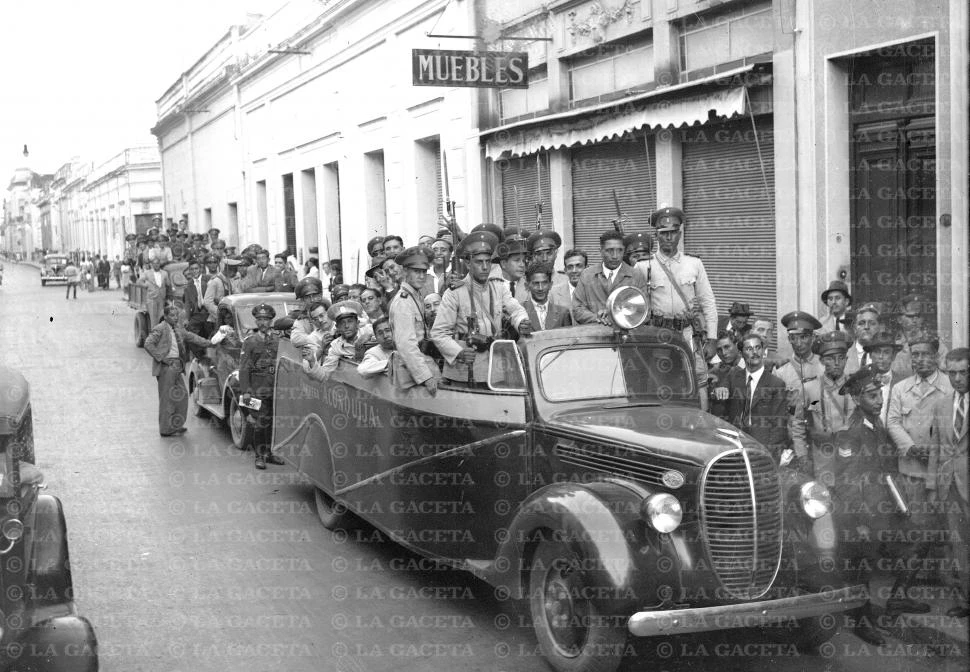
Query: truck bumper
{"x": 748, "y": 614}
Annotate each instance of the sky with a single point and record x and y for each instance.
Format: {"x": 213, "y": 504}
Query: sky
{"x": 81, "y": 78}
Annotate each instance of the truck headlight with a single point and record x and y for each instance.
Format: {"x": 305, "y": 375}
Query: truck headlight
{"x": 628, "y": 307}
{"x": 816, "y": 499}
{"x": 663, "y": 511}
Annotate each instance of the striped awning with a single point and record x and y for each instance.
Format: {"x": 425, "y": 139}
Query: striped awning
{"x": 672, "y": 106}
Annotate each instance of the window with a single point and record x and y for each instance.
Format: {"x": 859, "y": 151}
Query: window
{"x": 612, "y": 69}
{"x": 713, "y": 40}
{"x": 520, "y": 102}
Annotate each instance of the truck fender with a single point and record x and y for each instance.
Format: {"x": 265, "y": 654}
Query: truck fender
{"x": 600, "y": 519}
{"x": 49, "y": 571}
{"x": 60, "y": 644}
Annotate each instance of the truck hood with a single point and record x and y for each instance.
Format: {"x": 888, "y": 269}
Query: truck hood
{"x": 680, "y": 432}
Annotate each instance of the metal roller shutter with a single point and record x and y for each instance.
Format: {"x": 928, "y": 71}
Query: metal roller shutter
{"x": 519, "y": 175}
{"x": 730, "y": 215}
{"x": 597, "y": 170}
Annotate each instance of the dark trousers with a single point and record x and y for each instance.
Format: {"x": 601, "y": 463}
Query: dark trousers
{"x": 71, "y": 286}
{"x": 173, "y": 400}
{"x": 262, "y": 435}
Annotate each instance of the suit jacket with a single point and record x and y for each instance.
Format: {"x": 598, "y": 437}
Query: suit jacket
{"x": 155, "y": 291}
{"x": 556, "y": 315}
{"x": 560, "y": 294}
{"x": 193, "y": 302}
{"x": 260, "y": 281}
{"x": 910, "y": 422}
{"x": 592, "y": 291}
{"x": 769, "y": 409}
{"x": 158, "y": 343}
{"x": 951, "y": 465}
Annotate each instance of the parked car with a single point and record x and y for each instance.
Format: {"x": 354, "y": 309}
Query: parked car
{"x": 40, "y": 626}
{"x": 53, "y": 270}
{"x": 214, "y": 379}
{"x": 137, "y": 301}
{"x": 585, "y": 481}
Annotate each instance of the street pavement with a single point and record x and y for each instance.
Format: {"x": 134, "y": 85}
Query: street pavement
{"x": 187, "y": 558}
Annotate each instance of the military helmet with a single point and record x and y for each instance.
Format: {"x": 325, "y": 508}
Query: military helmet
{"x": 308, "y": 287}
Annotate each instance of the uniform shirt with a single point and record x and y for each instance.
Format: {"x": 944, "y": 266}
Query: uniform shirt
{"x": 827, "y": 413}
{"x": 375, "y": 361}
{"x": 451, "y": 322}
{"x": 911, "y": 407}
{"x": 257, "y": 364}
{"x": 406, "y": 317}
{"x": 795, "y": 372}
{"x": 690, "y": 274}
{"x": 340, "y": 347}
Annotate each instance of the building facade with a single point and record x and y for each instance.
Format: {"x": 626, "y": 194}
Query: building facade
{"x": 807, "y": 142}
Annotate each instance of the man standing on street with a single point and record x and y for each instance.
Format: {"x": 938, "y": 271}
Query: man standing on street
{"x": 71, "y": 273}
{"x": 166, "y": 343}
{"x": 257, "y": 372}
{"x": 156, "y": 280}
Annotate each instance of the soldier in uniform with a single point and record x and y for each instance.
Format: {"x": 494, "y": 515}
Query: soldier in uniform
{"x": 803, "y": 366}
{"x": 407, "y": 322}
{"x": 637, "y": 247}
{"x": 309, "y": 291}
{"x": 257, "y": 370}
{"x": 681, "y": 297}
{"x": 820, "y": 411}
{"x": 352, "y": 340}
{"x": 213, "y": 235}
{"x": 865, "y": 508}
{"x": 375, "y": 247}
{"x": 470, "y": 316}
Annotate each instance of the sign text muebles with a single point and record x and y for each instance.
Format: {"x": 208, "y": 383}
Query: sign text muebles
{"x": 482, "y": 69}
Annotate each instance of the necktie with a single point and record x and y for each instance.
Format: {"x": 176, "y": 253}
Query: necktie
{"x": 749, "y": 393}
{"x": 512, "y": 287}
{"x": 960, "y": 416}
{"x": 865, "y": 359}
{"x": 541, "y": 313}
{"x": 609, "y": 279}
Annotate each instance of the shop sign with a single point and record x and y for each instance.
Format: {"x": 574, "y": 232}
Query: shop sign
{"x": 480, "y": 69}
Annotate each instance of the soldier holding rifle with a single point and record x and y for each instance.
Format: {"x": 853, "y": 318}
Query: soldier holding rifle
{"x": 470, "y": 316}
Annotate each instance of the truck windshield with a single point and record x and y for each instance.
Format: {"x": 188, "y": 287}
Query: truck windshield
{"x": 638, "y": 371}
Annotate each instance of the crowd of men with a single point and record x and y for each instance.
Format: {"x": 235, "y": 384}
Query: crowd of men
{"x": 866, "y": 402}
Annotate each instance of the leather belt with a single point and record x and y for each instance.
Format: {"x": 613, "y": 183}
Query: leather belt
{"x": 676, "y": 323}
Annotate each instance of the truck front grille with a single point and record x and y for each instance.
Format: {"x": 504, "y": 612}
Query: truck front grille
{"x": 741, "y": 518}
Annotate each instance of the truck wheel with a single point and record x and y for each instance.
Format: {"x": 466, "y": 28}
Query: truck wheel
{"x": 239, "y": 427}
{"x": 573, "y": 635}
{"x": 333, "y": 515}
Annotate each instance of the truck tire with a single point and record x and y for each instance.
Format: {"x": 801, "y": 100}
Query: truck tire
{"x": 333, "y": 515}
{"x": 572, "y": 633}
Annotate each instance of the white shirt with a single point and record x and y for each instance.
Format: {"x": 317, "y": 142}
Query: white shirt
{"x": 541, "y": 309}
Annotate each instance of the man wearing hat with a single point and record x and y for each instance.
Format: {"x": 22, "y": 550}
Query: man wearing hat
{"x": 598, "y": 280}
{"x": 910, "y": 422}
{"x": 511, "y": 259}
{"x": 638, "y": 247}
{"x": 803, "y": 366}
{"x": 736, "y": 320}
{"x": 910, "y": 313}
{"x": 681, "y": 297}
{"x": 820, "y": 411}
{"x": 213, "y": 235}
{"x": 309, "y": 291}
{"x": 166, "y": 343}
{"x": 470, "y": 316}
{"x": 865, "y": 510}
{"x": 257, "y": 372}
{"x": 838, "y": 300}
{"x": 375, "y": 247}
{"x": 543, "y": 246}
{"x": 161, "y": 250}
{"x": 352, "y": 340}
{"x": 881, "y": 350}
{"x": 407, "y": 321}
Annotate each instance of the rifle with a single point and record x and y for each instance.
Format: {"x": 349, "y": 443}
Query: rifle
{"x": 620, "y": 219}
{"x": 538, "y": 192}
{"x": 456, "y": 269}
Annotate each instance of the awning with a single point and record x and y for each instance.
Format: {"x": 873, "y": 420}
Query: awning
{"x": 660, "y": 108}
